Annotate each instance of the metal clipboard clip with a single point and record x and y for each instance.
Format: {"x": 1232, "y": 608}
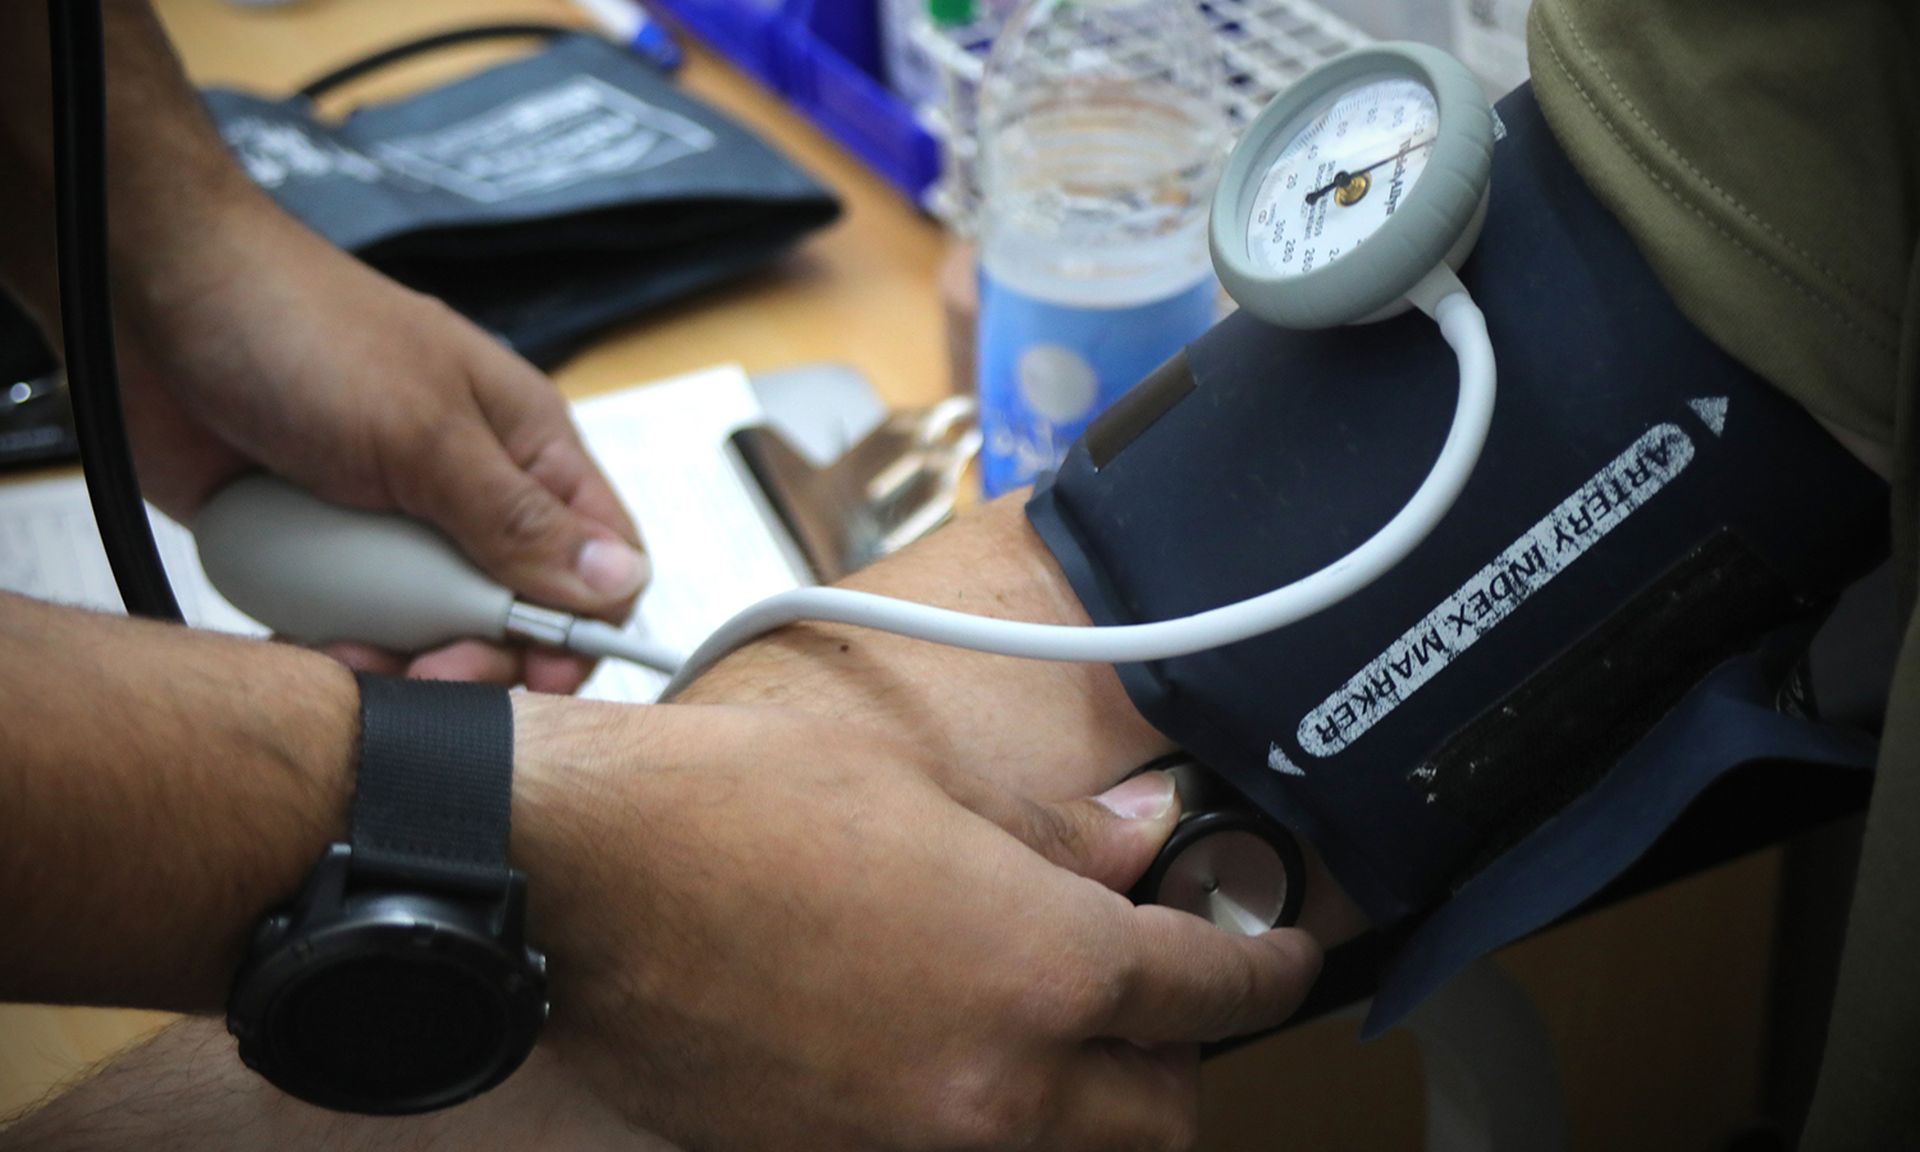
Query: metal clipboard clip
{"x": 896, "y": 485}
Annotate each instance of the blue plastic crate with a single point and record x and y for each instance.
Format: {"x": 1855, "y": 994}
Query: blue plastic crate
{"x": 824, "y": 57}
{"x": 742, "y": 32}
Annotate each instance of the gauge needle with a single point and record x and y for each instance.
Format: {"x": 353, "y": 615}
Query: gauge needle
{"x": 1342, "y": 177}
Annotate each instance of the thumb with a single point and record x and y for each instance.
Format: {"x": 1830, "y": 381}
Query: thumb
{"x": 1111, "y": 838}
{"x": 523, "y": 533}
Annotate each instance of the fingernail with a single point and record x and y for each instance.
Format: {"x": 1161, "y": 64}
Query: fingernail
{"x": 1144, "y": 797}
{"x": 613, "y": 569}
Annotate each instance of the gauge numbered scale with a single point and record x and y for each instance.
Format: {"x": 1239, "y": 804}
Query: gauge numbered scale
{"x": 1354, "y": 186}
{"x": 1342, "y": 177}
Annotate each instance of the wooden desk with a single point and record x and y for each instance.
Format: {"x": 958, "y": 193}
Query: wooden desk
{"x": 862, "y": 293}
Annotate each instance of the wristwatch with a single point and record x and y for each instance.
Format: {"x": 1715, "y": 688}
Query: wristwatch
{"x": 400, "y": 979}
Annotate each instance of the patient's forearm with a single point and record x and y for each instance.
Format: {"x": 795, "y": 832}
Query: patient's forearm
{"x": 1045, "y": 730}
{"x": 1049, "y": 730}
{"x": 186, "y": 1091}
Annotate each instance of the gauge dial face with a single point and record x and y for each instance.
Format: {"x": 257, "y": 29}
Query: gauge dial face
{"x": 1343, "y": 172}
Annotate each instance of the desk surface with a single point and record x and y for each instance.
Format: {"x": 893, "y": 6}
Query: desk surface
{"x": 862, "y": 293}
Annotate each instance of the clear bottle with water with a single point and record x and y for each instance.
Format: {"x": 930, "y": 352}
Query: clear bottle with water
{"x": 1101, "y": 136}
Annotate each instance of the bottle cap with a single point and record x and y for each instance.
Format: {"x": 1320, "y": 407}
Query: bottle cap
{"x": 950, "y": 13}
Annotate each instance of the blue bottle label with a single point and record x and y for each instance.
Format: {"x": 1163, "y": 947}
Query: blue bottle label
{"x": 1047, "y": 369}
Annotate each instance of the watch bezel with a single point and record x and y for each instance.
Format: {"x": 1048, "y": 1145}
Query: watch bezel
{"x": 482, "y": 939}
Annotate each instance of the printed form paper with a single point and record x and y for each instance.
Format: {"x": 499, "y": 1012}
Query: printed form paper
{"x": 715, "y": 544}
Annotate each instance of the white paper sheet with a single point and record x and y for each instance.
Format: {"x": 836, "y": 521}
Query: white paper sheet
{"x": 49, "y": 549}
{"x": 715, "y": 545}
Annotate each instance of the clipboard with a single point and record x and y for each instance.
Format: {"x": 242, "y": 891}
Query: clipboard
{"x": 848, "y": 481}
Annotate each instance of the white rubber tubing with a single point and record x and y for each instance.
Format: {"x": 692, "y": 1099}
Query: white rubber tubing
{"x": 595, "y": 638}
{"x": 1465, "y": 330}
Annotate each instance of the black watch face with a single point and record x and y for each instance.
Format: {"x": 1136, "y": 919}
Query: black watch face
{"x": 391, "y": 1027}
{"x": 403, "y": 1004}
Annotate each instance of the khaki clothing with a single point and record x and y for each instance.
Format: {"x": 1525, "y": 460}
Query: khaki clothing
{"x": 1765, "y": 155}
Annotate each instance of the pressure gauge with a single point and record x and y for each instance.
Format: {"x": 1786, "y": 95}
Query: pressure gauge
{"x": 1353, "y": 186}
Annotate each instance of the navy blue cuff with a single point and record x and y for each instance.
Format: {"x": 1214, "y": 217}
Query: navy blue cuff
{"x": 1456, "y": 735}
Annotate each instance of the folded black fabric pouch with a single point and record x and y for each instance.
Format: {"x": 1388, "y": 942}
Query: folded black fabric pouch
{"x": 545, "y": 198}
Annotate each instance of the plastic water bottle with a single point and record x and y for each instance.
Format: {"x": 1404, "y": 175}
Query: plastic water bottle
{"x": 911, "y": 71}
{"x": 1101, "y": 136}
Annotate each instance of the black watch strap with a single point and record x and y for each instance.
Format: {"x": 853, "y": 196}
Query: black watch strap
{"x": 435, "y": 791}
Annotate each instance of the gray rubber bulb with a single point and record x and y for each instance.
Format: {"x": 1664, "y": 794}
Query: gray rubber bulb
{"x": 319, "y": 573}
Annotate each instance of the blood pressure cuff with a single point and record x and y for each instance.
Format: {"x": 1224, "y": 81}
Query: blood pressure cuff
{"x": 1491, "y": 732}
{"x": 546, "y": 198}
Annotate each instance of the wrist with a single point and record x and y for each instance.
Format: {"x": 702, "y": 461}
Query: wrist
{"x": 1059, "y": 729}
{"x": 577, "y": 770}
{"x": 549, "y": 765}
{"x": 173, "y": 264}
{"x": 399, "y": 979}
{"x": 303, "y": 767}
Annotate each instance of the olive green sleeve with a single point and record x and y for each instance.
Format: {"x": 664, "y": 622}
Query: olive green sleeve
{"x": 1765, "y": 157}
{"x": 1762, "y": 153}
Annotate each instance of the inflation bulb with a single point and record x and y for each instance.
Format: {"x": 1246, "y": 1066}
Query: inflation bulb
{"x": 320, "y": 573}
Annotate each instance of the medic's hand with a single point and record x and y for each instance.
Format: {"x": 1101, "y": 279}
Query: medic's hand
{"x": 1041, "y": 730}
{"x": 771, "y": 931}
{"x": 266, "y": 347}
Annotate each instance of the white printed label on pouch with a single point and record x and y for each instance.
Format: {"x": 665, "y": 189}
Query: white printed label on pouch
{"x": 1561, "y": 537}
{"x": 555, "y": 138}
{"x": 275, "y": 151}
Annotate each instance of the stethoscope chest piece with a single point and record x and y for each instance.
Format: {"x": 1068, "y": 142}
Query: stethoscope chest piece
{"x": 1226, "y": 861}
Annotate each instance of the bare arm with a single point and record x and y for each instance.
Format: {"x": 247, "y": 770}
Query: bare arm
{"x": 172, "y": 184}
{"x": 185, "y": 1090}
{"x": 162, "y": 789}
